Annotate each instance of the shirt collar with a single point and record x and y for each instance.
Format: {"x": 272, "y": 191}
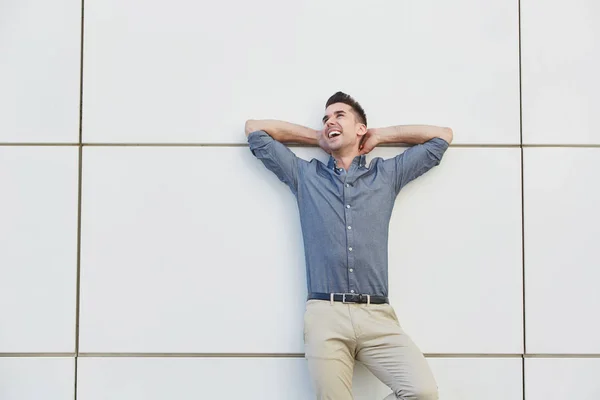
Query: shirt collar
{"x": 361, "y": 161}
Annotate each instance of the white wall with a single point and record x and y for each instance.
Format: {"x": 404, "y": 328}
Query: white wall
{"x": 155, "y": 237}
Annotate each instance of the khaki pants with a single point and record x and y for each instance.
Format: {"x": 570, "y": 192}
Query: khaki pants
{"x": 337, "y": 334}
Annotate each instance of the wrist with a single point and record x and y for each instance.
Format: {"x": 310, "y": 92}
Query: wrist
{"x": 382, "y": 135}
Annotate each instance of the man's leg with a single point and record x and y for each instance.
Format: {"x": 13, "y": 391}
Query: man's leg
{"x": 332, "y": 379}
{"x": 391, "y": 355}
{"x": 329, "y": 346}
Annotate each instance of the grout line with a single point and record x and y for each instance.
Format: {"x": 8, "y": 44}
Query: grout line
{"x": 36, "y": 355}
{"x": 564, "y": 355}
{"x": 468, "y": 145}
{"x": 81, "y": 46}
{"x": 194, "y": 355}
{"x": 78, "y": 281}
{"x": 78, "y": 249}
{"x": 227, "y": 145}
{"x": 276, "y": 355}
{"x": 75, "y": 378}
{"x": 523, "y": 376}
{"x": 17, "y": 144}
{"x": 79, "y": 192}
{"x": 301, "y": 355}
{"x": 269, "y": 355}
{"x": 574, "y": 146}
{"x": 285, "y": 355}
{"x": 472, "y": 355}
{"x": 524, "y": 321}
{"x": 463, "y": 146}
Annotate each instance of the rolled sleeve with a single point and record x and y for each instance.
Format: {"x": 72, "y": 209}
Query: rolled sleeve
{"x": 276, "y": 157}
{"x": 417, "y": 160}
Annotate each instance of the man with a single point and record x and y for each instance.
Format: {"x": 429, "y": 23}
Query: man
{"x": 345, "y": 208}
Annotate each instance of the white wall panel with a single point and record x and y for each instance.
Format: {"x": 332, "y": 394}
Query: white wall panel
{"x": 193, "y": 71}
{"x": 38, "y": 257}
{"x": 193, "y": 378}
{"x": 562, "y": 228}
{"x": 188, "y": 250}
{"x": 562, "y": 378}
{"x": 457, "y": 379}
{"x": 275, "y": 378}
{"x": 39, "y": 70}
{"x": 147, "y": 273}
{"x": 455, "y": 268}
{"x": 560, "y": 64}
{"x": 37, "y": 378}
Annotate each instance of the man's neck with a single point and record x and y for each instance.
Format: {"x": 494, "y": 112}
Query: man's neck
{"x": 345, "y": 160}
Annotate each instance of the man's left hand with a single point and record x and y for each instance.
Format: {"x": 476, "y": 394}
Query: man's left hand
{"x": 369, "y": 141}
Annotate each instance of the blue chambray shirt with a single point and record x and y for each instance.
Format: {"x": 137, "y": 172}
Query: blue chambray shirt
{"x": 345, "y": 215}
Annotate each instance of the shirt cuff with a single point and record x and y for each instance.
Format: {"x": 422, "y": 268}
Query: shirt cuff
{"x": 259, "y": 139}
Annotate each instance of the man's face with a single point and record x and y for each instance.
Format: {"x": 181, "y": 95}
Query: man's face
{"x": 341, "y": 128}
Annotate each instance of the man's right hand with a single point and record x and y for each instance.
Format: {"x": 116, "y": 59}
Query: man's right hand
{"x": 322, "y": 140}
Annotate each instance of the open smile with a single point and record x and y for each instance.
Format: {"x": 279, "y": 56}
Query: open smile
{"x": 333, "y": 133}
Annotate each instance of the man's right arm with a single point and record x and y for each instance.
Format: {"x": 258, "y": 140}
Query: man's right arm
{"x": 283, "y": 132}
{"x": 266, "y": 138}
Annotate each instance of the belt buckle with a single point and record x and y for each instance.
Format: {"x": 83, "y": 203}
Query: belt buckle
{"x": 356, "y": 295}
{"x": 332, "y": 296}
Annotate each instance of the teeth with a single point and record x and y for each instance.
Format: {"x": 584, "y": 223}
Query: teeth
{"x": 334, "y": 134}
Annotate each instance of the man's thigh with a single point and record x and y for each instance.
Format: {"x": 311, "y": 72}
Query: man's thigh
{"x": 330, "y": 346}
{"x": 391, "y": 355}
{"x": 331, "y": 379}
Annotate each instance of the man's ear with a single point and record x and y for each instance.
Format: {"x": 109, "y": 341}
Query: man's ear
{"x": 362, "y": 130}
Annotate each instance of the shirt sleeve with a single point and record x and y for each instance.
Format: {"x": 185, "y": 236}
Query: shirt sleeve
{"x": 276, "y": 157}
{"x": 417, "y": 160}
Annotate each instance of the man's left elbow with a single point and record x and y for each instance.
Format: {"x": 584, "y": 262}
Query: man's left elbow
{"x": 447, "y": 135}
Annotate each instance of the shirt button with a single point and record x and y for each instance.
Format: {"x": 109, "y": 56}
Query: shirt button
{"x": 347, "y": 185}
{"x": 347, "y": 205}
{"x": 352, "y": 291}
{"x": 349, "y": 227}
{"x": 351, "y": 270}
{"x": 350, "y": 248}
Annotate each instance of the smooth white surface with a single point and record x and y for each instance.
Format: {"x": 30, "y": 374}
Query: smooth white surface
{"x": 560, "y": 64}
{"x": 193, "y": 378}
{"x": 562, "y": 378}
{"x": 37, "y": 378}
{"x": 457, "y": 379}
{"x": 182, "y": 246}
{"x": 455, "y": 267}
{"x": 194, "y": 71}
{"x": 38, "y": 257}
{"x": 39, "y": 70}
{"x": 275, "y": 378}
{"x": 562, "y": 257}
{"x": 188, "y": 250}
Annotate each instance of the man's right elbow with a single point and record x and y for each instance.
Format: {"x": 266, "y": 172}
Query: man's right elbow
{"x": 250, "y": 126}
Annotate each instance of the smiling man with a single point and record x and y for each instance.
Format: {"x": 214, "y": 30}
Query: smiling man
{"x": 345, "y": 208}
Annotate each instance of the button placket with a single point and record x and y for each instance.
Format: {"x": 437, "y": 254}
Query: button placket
{"x": 352, "y": 284}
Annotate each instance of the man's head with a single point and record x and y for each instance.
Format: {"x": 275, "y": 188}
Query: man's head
{"x": 344, "y": 123}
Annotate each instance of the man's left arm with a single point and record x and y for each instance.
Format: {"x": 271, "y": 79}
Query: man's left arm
{"x": 429, "y": 145}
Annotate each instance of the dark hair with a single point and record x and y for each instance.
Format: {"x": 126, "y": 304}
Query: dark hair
{"x": 341, "y": 97}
